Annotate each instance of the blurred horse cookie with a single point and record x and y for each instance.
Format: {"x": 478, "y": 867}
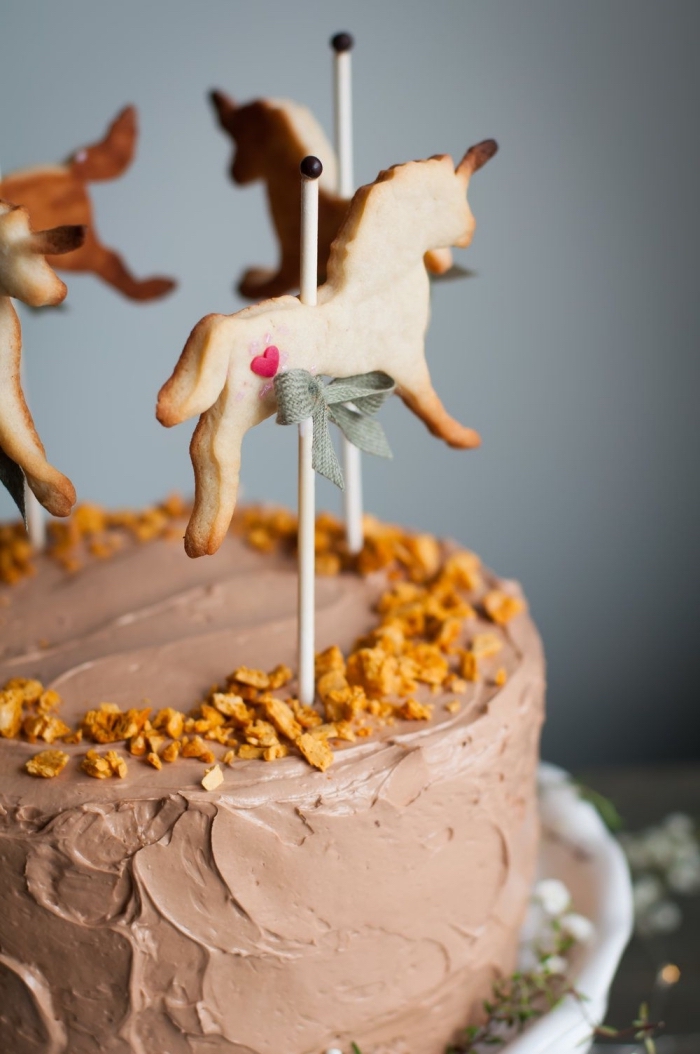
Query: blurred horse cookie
{"x": 372, "y": 315}
{"x": 58, "y": 194}
{"x": 271, "y": 137}
{"x": 26, "y": 275}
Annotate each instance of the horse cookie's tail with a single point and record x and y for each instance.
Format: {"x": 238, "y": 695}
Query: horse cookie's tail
{"x": 112, "y": 155}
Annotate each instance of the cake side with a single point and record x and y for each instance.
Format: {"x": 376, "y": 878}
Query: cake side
{"x": 373, "y": 902}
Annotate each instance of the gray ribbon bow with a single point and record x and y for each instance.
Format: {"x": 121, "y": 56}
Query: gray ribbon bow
{"x": 301, "y": 395}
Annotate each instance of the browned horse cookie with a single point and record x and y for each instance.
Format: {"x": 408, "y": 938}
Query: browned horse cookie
{"x": 26, "y": 275}
{"x": 271, "y": 137}
{"x": 58, "y": 194}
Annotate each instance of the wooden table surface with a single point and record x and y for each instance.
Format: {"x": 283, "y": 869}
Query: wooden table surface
{"x": 644, "y": 795}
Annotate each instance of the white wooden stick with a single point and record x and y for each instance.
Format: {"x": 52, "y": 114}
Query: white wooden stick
{"x": 311, "y": 169}
{"x": 342, "y": 94}
{"x": 36, "y": 515}
{"x": 36, "y": 520}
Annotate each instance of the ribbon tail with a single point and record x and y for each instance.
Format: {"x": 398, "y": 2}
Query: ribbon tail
{"x": 324, "y": 459}
{"x": 363, "y": 432}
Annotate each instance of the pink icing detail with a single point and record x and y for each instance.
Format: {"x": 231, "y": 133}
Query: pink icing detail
{"x": 267, "y": 364}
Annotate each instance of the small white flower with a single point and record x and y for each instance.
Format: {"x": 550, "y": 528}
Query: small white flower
{"x": 660, "y": 847}
{"x": 553, "y": 895}
{"x": 554, "y": 964}
{"x": 684, "y": 876}
{"x": 662, "y": 917}
{"x": 635, "y": 850}
{"x": 646, "y": 891}
{"x": 680, "y": 826}
{"x": 578, "y": 927}
{"x": 688, "y": 851}
{"x": 334, "y": 1050}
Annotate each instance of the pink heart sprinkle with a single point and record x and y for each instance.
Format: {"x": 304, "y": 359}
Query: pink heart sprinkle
{"x": 267, "y": 364}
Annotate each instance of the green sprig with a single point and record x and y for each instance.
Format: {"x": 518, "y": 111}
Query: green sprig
{"x": 605, "y": 808}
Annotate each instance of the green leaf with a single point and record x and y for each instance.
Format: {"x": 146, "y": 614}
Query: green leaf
{"x": 603, "y": 806}
{"x": 355, "y": 1048}
{"x": 12, "y": 479}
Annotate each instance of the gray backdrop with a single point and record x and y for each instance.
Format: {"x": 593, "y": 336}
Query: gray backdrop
{"x": 574, "y": 351}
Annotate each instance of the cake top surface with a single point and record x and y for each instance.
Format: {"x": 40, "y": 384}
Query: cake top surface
{"x": 418, "y": 631}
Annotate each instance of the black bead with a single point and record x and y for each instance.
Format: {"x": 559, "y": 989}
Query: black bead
{"x": 311, "y": 167}
{"x": 342, "y": 42}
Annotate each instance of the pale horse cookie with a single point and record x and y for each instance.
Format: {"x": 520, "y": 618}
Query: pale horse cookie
{"x": 372, "y": 315}
{"x": 58, "y": 194}
{"x": 26, "y": 275}
{"x": 272, "y": 137}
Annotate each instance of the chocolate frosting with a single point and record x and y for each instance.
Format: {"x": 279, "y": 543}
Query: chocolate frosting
{"x": 289, "y": 909}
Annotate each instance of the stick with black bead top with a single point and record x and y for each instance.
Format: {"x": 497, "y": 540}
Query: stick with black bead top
{"x": 311, "y": 168}
{"x": 342, "y": 44}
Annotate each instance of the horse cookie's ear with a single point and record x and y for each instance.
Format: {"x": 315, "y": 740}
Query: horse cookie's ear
{"x": 112, "y": 155}
{"x": 225, "y": 108}
{"x": 476, "y": 157}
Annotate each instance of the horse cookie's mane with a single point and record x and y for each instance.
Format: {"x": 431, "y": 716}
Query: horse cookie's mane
{"x": 371, "y": 208}
{"x": 310, "y": 137}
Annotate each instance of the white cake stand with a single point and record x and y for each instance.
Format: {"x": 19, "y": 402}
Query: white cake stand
{"x": 578, "y": 849}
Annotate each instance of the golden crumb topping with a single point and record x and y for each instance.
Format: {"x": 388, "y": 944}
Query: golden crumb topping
{"x": 11, "y": 703}
{"x": 90, "y": 532}
{"x": 104, "y": 766}
{"x": 47, "y": 763}
{"x": 424, "y": 643}
{"x": 501, "y": 607}
{"x": 212, "y": 778}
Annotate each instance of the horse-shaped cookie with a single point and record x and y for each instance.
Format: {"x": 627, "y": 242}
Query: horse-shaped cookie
{"x": 271, "y": 138}
{"x": 26, "y": 275}
{"x": 58, "y": 194}
{"x": 372, "y": 315}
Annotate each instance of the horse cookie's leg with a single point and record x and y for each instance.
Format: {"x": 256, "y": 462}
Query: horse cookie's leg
{"x": 18, "y": 436}
{"x": 216, "y": 457}
{"x": 259, "y": 283}
{"x": 109, "y": 266}
{"x": 426, "y": 404}
{"x": 438, "y": 261}
{"x": 255, "y": 283}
